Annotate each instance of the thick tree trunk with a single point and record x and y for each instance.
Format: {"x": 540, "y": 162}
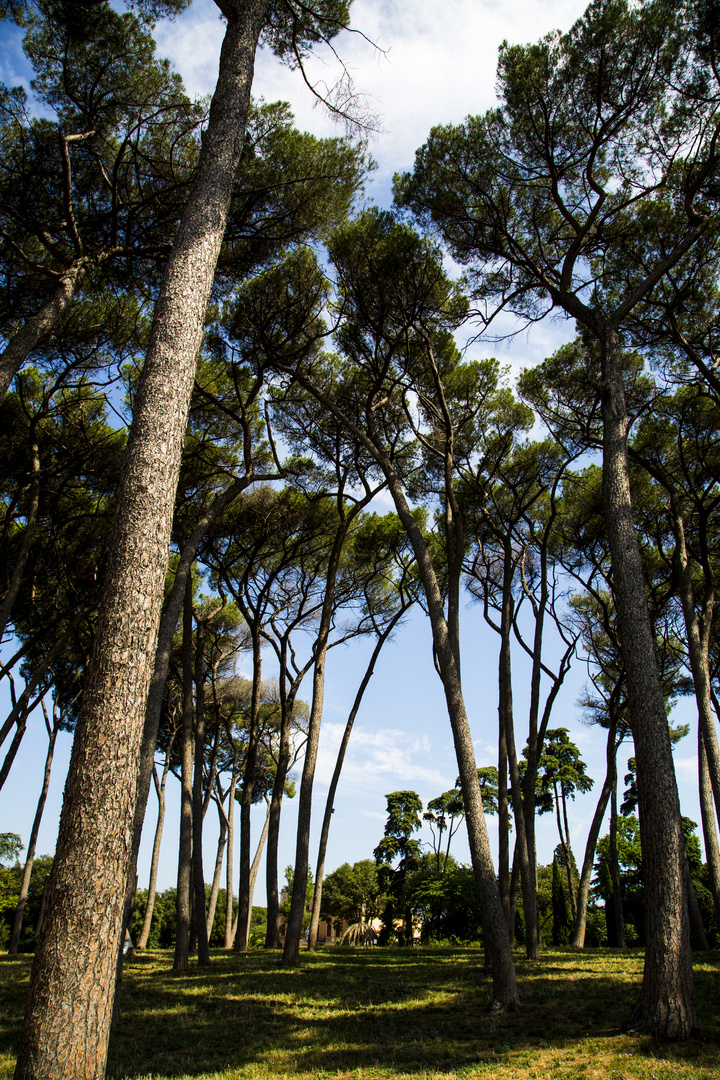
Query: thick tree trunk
{"x": 39, "y": 326}
{"x": 578, "y": 936}
{"x": 665, "y": 1007}
{"x": 32, "y": 842}
{"x": 183, "y": 897}
{"x": 69, "y": 1005}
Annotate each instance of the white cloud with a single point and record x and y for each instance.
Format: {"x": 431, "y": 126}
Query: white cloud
{"x": 376, "y": 756}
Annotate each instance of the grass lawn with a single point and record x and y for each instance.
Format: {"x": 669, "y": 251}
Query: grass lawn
{"x": 387, "y": 1013}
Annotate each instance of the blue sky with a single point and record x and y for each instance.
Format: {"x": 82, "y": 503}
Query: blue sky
{"x": 437, "y": 64}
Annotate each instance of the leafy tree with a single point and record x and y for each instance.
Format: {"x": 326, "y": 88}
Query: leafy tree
{"x": 10, "y": 845}
{"x": 538, "y": 198}
{"x": 87, "y": 896}
{"x": 403, "y": 810}
{"x": 353, "y": 893}
{"x": 442, "y": 813}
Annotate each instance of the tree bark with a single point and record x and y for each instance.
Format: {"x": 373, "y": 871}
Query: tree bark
{"x": 229, "y": 882}
{"x": 67, "y": 1018}
{"x": 617, "y": 911}
{"x": 665, "y": 1006}
{"x": 215, "y": 888}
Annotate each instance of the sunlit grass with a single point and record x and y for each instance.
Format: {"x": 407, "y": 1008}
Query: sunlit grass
{"x": 387, "y": 1013}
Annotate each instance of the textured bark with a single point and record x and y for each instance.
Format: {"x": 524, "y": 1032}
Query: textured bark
{"x": 32, "y": 842}
{"x": 710, "y": 836}
{"x": 183, "y": 897}
{"x": 39, "y": 326}
{"x": 339, "y": 761}
{"x": 577, "y": 940}
{"x": 28, "y": 532}
{"x": 665, "y": 1007}
{"x": 69, "y": 1005}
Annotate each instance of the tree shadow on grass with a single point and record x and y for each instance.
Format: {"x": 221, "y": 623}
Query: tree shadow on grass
{"x": 388, "y": 1011}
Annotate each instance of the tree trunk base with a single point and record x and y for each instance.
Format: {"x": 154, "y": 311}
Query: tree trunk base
{"x": 672, "y": 1019}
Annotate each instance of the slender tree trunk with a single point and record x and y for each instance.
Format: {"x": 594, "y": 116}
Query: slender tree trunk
{"x": 32, "y": 843}
{"x": 152, "y": 884}
{"x": 710, "y": 836}
{"x": 215, "y": 888}
{"x": 256, "y": 862}
{"x": 69, "y": 1005}
{"x": 340, "y": 760}
{"x": 293, "y": 932}
{"x": 229, "y": 870}
{"x": 244, "y": 907}
{"x": 665, "y": 1006}
{"x": 618, "y": 915}
{"x": 578, "y": 936}
{"x": 272, "y": 933}
{"x": 182, "y": 934}
{"x": 28, "y": 533}
{"x": 568, "y": 854}
{"x": 197, "y": 802}
{"x": 698, "y": 644}
{"x": 505, "y": 993}
{"x": 503, "y": 800}
{"x": 39, "y": 326}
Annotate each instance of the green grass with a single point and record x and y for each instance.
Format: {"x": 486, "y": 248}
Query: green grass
{"x": 382, "y": 1013}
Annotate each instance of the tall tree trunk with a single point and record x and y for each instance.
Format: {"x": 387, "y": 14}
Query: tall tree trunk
{"x": 244, "y": 907}
{"x": 577, "y": 940}
{"x": 339, "y": 761}
{"x": 183, "y": 898}
{"x": 293, "y": 932}
{"x": 69, "y": 1006}
{"x": 215, "y": 888}
{"x": 710, "y": 836}
{"x": 568, "y": 854}
{"x": 698, "y": 644}
{"x": 197, "y": 801}
{"x": 32, "y": 843}
{"x": 229, "y": 869}
{"x": 527, "y": 875}
{"x": 618, "y": 914}
{"x": 665, "y": 1006}
{"x": 505, "y": 993}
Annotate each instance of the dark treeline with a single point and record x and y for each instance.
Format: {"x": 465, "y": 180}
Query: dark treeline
{"x": 214, "y": 361}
